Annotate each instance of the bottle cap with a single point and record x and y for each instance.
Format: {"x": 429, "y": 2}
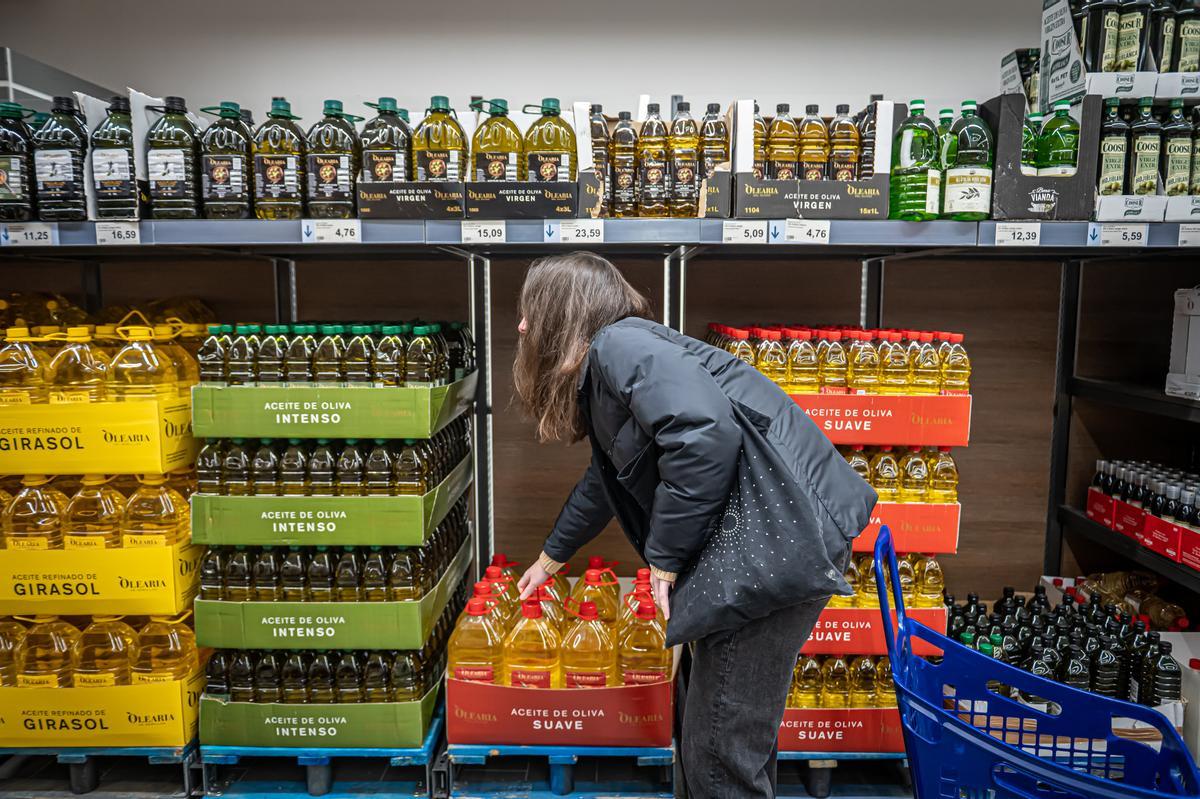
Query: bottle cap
{"x": 969, "y": 105}
{"x": 812, "y": 110}
{"x": 625, "y": 115}
{"x": 478, "y": 607}
{"x": 843, "y": 109}
{"x": 118, "y": 104}
{"x": 652, "y": 108}
{"x": 945, "y": 113}
{"x": 175, "y": 105}
{"x": 783, "y": 108}
{"x": 916, "y": 105}
{"x": 587, "y": 611}
{"x": 13, "y": 110}
{"x": 63, "y": 105}
{"x": 550, "y": 105}
{"x": 281, "y": 109}
{"x": 591, "y": 576}
{"x": 360, "y": 330}
{"x": 596, "y": 108}
{"x": 714, "y": 108}
{"x": 645, "y": 609}
{"x": 683, "y": 106}
{"x": 385, "y": 105}
{"x": 531, "y": 609}
{"x": 333, "y": 108}
{"x": 439, "y": 102}
{"x": 643, "y": 575}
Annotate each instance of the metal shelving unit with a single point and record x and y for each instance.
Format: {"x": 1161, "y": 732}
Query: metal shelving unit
{"x": 1077, "y": 522}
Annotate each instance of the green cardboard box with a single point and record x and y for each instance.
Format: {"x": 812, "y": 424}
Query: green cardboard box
{"x": 311, "y": 412}
{"x": 393, "y": 725}
{"x": 333, "y": 521}
{"x": 328, "y": 625}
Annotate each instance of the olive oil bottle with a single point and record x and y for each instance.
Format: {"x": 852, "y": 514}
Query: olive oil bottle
{"x": 439, "y": 144}
{"x": 279, "y": 164}
{"x": 386, "y": 144}
{"x": 599, "y": 131}
{"x": 1176, "y": 151}
{"x": 1114, "y": 149}
{"x": 59, "y": 146}
{"x": 172, "y": 163}
{"x": 714, "y": 141}
{"x": 845, "y": 146}
{"x": 16, "y": 164}
{"x": 683, "y": 147}
{"x": 1133, "y": 42}
{"x": 1146, "y": 145}
{"x": 550, "y": 146}
{"x": 496, "y": 145}
{"x": 226, "y": 153}
{"x": 622, "y": 156}
{"x": 1187, "y": 30}
{"x": 334, "y": 154}
{"x": 814, "y": 145}
{"x": 113, "y": 174}
{"x": 653, "y": 189}
{"x": 783, "y": 145}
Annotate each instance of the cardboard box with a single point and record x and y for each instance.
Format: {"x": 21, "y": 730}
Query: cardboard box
{"x": 1185, "y": 647}
{"x": 312, "y": 412}
{"x": 334, "y": 521}
{"x": 144, "y": 580}
{"x": 329, "y": 625}
{"x": 1177, "y": 84}
{"x": 866, "y": 729}
{"x": 383, "y": 725}
{"x": 412, "y": 200}
{"x": 1016, "y": 196}
{"x": 1184, "y": 365}
{"x": 1019, "y": 74}
{"x": 522, "y": 200}
{"x": 1128, "y": 519}
{"x": 146, "y": 436}
{"x": 1182, "y": 209}
{"x": 1132, "y": 207}
{"x": 934, "y": 420}
{"x": 153, "y": 714}
{"x": 1100, "y": 507}
{"x": 859, "y": 631}
{"x": 926, "y": 527}
{"x": 1161, "y": 536}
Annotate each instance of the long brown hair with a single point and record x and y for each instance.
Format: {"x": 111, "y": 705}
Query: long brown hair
{"x": 565, "y": 301}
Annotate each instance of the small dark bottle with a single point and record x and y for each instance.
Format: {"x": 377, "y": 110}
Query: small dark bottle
{"x": 1164, "y": 677}
{"x": 1077, "y": 672}
{"x": 1106, "y": 669}
{"x": 1185, "y": 512}
{"x": 16, "y": 164}
{"x": 1172, "y": 504}
{"x": 60, "y": 145}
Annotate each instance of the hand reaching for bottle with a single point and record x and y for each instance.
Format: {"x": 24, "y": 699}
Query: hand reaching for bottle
{"x": 661, "y": 589}
{"x": 533, "y": 577}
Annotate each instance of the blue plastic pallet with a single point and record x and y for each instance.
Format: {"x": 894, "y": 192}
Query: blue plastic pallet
{"x": 818, "y": 777}
{"x": 84, "y": 774}
{"x": 562, "y": 764}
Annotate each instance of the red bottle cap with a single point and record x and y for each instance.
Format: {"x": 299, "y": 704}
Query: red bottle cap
{"x": 772, "y": 335}
{"x": 835, "y": 335}
{"x": 592, "y": 576}
{"x": 926, "y": 337}
{"x": 478, "y": 607}
{"x": 859, "y": 447}
{"x": 643, "y": 575}
{"x": 587, "y": 611}
{"x": 886, "y": 448}
{"x": 531, "y": 609}
{"x": 483, "y": 589}
{"x": 1194, "y": 664}
{"x": 956, "y": 338}
{"x": 942, "y": 335}
{"x": 645, "y": 609}
{"x": 1183, "y": 622}
{"x": 493, "y": 572}
{"x": 740, "y": 335}
{"x": 944, "y": 449}
{"x": 1058, "y": 582}
{"x": 595, "y": 562}
{"x": 913, "y": 448}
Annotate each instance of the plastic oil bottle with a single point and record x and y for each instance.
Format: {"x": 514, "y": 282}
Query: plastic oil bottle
{"x": 683, "y": 153}
{"x": 476, "y": 649}
{"x": 845, "y": 146}
{"x": 1058, "y": 144}
{"x": 407, "y": 681}
{"x": 814, "y": 145}
{"x": 35, "y": 517}
{"x": 969, "y": 156}
{"x": 783, "y": 145}
{"x": 714, "y": 141}
{"x": 375, "y": 572}
{"x": 226, "y": 160}
{"x": 348, "y": 679}
{"x": 334, "y": 158}
{"x": 293, "y": 582}
{"x": 237, "y": 582}
{"x": 242, "y": 355}
{"x": 156, "y": 515}
{"x": 388, "y": 358}
{"x": 956, "y": 367}
{"x": 265, "y": 585}
{"x": 93, "y": 515}
{"x": 853, "y": 579}
{"x": 532, "y": 650}
{"x": 1029, "y": 143}
{"x": 760, "y": 145}
{"x": 439, "y": 145}
{"x": 642, "y": 654}
{"x": 166, "y": 651}
{"x": 386, "y": 144}
{"x": 77, "y": 372}
{"x": 327, "y": 359}
{"x": 320, "y": 576}
{"x": 930, "y": 583}
{"x": 589, "y": 653}
{"x": 550, "y": 154}
{"x": 266, "y": 680}
{"x": 241, "y": 677}
{"x": 862, "y": 365}
{"x": 347, "y": 577}
{"x": 46, "y": 658}
{"x": 172, "y": 163}
{"x": 293, "y": 680}
{"x": 375, "y": 674}
{"x": 859, "y": 462}
{"x": 279, "y": 160}
{"x": 297, "y": 358}
{"x": 806, "y": 682}
{"x": 349, "y": 471}
{"x": 653, "y": 179}
{"x": 598, "y": 128}
{"x": 623, "y": 157}
{"x": 235, "y": 469}
{"x": 211, "y": 357}
{"x": 597, "y": 586}
{"x": 12, "y": 637}
{"x": 885, "y": 689}
{"x": 113, "y": 175}
{"x": 835, "y": 682}
{"x": 943, "y": 477}
{"x": 59, "y": 147}
{"x": 268, "y": 360}
{"x": 926, "y": 367}
{"x": 496, "y": 147}
{"x": 321, "y": 463}
{"x": 141, "y": 369}
{"x": 885, "y": 474}
{"x": 320, "y": 680}
{"x": 421, "y": 359}
{"x": 895, "y": 371}
{"x": 16, "y": 160}
{"x": 187, "y": 371}
{"x": 405, "y": 575}
{"x": 867, "y": 132}
{"x": 103, "y": 653}
{"x": 356, "y": 361}
{"x": 803, "y": 368}
{"x": 212, "y": 574}
{"x": 771, "y": 359}
{"x": 914, "y": 477}
{"x": 22, "y": 369}
{"x": 377, "y": 470}
{"x": 834, "y": 364}
{"x": 916, "y": 174}
{"x": 862, "y": 682}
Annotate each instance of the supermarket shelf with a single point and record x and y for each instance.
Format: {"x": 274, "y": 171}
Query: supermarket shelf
{"x": 1134, "y": 397}
{"x": 1075, "y": 520}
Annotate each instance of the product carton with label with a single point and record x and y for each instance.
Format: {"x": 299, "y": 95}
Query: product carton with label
{"x": 833, "y": 730}
{"x": 927, "y": 527}
{"x": 860, "y": 631}
{"x": 876, "y": 419}
{"x": 1100, "y": 507}
{"x": 1183, "y": 369}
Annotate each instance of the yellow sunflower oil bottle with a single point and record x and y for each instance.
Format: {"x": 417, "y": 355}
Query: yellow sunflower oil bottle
{"x": 476, "y": 649}
{"x": 956, "y": 367}
{"x": 867, "y": 595}
{"x": 907, "y": 575}
{"x": 104, "y": 652}
{"x": 855, "y": 580}
{"x": 683, "y": 150}
{"x": 895, "y": 372}
{"x": 926, "y": 367}
{"x": 654, "y": 190}
{"x": 885, "y": 474}
{"x": 504, "y": 590}
{"x": 598, "y": 586}
{"x": 156, "y": 515}
{"x": 589, "y": 654}
{"x": 93, "y": 515}
{"x": 46, "y": 658}
{"x": 943, "y": 477}
{"x": 835, "y": 682}
{"x": 803, "y": 368}
{"x": 807, "y": 681}
{"x": 623, "y": 159}
{"x": 533, "y": 651}
{"x": 279, "y": 160}
{"x": 862, "y": 366}
{"x": 914, "y": 477}
{"x": 642, "y": 654}
{"x": 226, "y": 160}
{"x": 859, "y": 462}
{"x": 550, "y": 146}
{"x": 141, "y": 370}
{"x": 187, "y": 369}
{"x": 783, "y": 145}
{"x": 834, "y": 364}
{"x": 166, "y": 650}
{"x": 22, "y": 369}
{"x": 439, "y": 145}
{"x": 12, "y": 637}
{"x": 77, "y": 372}
{"x": 497, "y": 144}
{"x": 885, "y": 689}
{"x": 930, "y": 583}
{"x": 34, "y": 519}
{"x": 386, "y": 144}
{"x": 862, "y": 682}
{"x": 771, "y": 359}
{"x": 334, "y": 157}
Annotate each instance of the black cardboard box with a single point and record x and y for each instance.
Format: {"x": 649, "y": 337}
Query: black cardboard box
{"x": 522, "y": 200}
{"x": 718, "y": 196}
{"x": 411, "y": 200}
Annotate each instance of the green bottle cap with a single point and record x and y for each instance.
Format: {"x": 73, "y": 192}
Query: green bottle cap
{"x": 360, "y": 330}
{"x": 281, "y": 109}
{"x": 550, "y": 105}
{"x": 408, "y": 442}
{"x": 380, "y": 441}
{"x": 238, "y": 441}
{"x": 293, "y": 441}
{"x": 214, "y": 330}
{"x": 391, "y": 330}
{"x": 385, "y": 105}
{"x": 946, "y": 112}
{"x": 1065, "y": 105}
{"x": 226, "y": 328}
{"x": 333, "y": 108}
{"x": 227, "y": 110}
{"x": 914, "y": 105}
{"x": 266, "y": 442}
{"x": 339, "y": 329}
{"x": 240, "y": 547}
{"x": 268, "y": 548}
{"x": 293, "y": 549}
{"x": 322, "y": 548}
{"x": 970, "y": 105}
{"x": 376, "y": 328}
{"x": 322, "y": 441}
{"x": 253, "y": 329}
{"x": 38, "y": 120}
{"x": 1177, "y": 102}
{"x": 439, "y": 103}
{"x": 13, "y": 111}
{"x": 1112, "y": 102}
{"x": 347, "y": 549}
{"x": 456, "y": 325}
{"x": 242, "y": 330}
{"x": 420, "y": 330}
{"x": 434, "y": 328}
{"x": 351, "y": 442}
{"x": 405, "y": 328}
{"x": 329, "y": 330}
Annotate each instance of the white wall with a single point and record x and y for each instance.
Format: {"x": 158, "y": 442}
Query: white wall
{"x": 608, "y": 51}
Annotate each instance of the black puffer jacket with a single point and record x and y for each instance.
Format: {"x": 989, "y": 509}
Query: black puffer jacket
{"x": 665, "y": 446}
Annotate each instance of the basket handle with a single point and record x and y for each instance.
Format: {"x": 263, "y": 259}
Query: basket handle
{"x": 885, "y": 557}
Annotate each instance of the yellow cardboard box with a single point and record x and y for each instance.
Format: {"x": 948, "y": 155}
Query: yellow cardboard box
{"x": 153, "y": 714}
{"x": 98, "y": 438}
{"x": 143, "y": 580}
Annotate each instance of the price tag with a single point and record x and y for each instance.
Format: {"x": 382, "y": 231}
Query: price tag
{"x": 1018, "y": 234}
{"x": 108, "y": 233}
{"x": 477, "y": 232}
{"x": 29, "y": 234}
{"x": 581, "y": 231}
{"x": 1189, "y": 235}
{"x": 806, "y": 231}
{"x": 331, "y": 231}
{"x": 1106, "y": 234}
{"x": 739, "y": 231}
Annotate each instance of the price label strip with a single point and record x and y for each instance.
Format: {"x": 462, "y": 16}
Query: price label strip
{"x": 1189, "y": 235}
{"x": 803, "y": 231}
{"x": 484, "y": 232}
{"x": 576, "y": 231}
{"x": 739, "y": 231}
{"x": 1106, "y": 234}
{"x": 331, "y": 231}
{"x": 29, "y": 234}
{"x": 1018, "y": 234}
{"x": 118, "y": 233}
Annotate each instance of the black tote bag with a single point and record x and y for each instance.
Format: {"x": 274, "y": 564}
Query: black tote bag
{"x": 764, "y": 552}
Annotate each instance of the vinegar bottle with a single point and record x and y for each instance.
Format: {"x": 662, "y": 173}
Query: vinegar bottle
{"x": 642, "y": 651}
{"x": 166, "y": 651}
{"x": 476, "y": 649}
{"x": 589, "y": 654}
{"x": 835, "y": 682}
{"x": 885, "y": 475}
{"x": 103, "y": 653}
{"x": 550, "y": 147}
{"x": 914, "y": 477}
{"x": 93, "y": 516}
{"x": 46, "y": 658}
{"x": 862, "y": 682}
{"x": 532, "y": 651}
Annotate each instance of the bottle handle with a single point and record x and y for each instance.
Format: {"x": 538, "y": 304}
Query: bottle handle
{"x": 608, "y": 569}
{"x": 567, "y": 606}
{"x": 634, "y": 597}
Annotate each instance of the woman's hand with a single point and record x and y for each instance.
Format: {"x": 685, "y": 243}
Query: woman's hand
{"x": 534, "y": 576}
{"x": 661, "y": 589}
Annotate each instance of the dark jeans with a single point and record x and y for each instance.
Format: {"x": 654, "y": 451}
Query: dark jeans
{"x": 736, "y": 696}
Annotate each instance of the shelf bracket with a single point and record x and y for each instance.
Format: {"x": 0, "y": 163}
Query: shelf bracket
{"x": 1060, "y": 435}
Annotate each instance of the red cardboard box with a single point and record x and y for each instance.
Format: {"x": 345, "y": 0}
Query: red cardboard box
{"x": 859, "y": 631}
{"x": 1189, "y": 548}
{"x": 926, "y": 527}
{"x": 1163, "y": 537}
{"x": 1128, "y": 519}
{"x": 867, "y": 729}
{"x": 1100, "y": 507}
{"x": 934, "y": 420}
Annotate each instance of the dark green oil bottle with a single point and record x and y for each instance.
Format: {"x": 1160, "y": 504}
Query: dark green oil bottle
{"x": 386, "y": 144}
{"x": 16, "y": 164}
{"x": 226, "y": 153}
{"x": 1176, "y": 151}
{"x": 59, "y": 147}
{"x": 172, "y": 163}
{"x": 279, "y": 164}
{"x": 113, "y": 174}
{"x": 334, "y": 154}
{"x": 1144, "y": 150}
{"x": 1114, "y": 149}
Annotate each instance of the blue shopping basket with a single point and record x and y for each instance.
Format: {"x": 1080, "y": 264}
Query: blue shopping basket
{"x": 968, "y": 738}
